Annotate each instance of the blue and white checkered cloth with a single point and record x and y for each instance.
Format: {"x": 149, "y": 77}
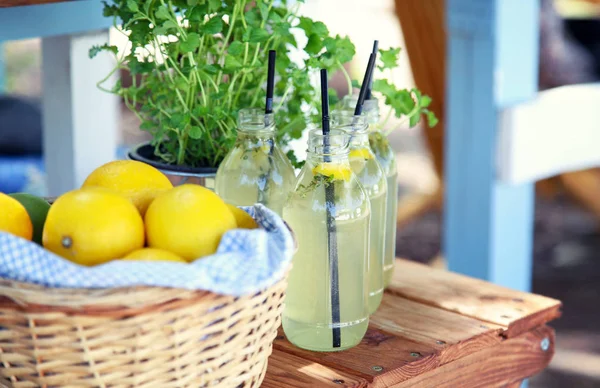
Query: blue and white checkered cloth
{"x": 246, "y": 261}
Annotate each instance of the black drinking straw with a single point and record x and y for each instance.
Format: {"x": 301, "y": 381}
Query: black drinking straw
{"x": 268, "y": 110}
{"x": 365, "y": 85}
{"x": 270, "y": 82}
{"x": 331, "y": 228}
{"x": 374, "y": 52}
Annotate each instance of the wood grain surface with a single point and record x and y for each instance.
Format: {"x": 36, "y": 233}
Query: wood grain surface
{"x": 433, "y": 329}
{"x": 516, "y": 311}
{"x": 286, "y": 370}
{"x": 497, "y": 366}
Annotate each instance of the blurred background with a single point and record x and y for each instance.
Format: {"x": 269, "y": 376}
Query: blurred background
{"x": 567, "y": 240}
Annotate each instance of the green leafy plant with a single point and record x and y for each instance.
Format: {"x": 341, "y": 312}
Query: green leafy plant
{"x": 195, "y": 63}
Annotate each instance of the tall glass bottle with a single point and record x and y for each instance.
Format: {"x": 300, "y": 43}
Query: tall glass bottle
{"x": 370, "y": 174}
{"x": 255, "y": 169}
{"x": 387, "y": 158}
{"x": 326, "y": 307}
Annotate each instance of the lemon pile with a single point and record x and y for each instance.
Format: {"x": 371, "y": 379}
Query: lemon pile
{"x": 125, "y": 210}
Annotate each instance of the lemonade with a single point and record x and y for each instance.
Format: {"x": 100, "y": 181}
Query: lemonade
{"x": 255, "y": 169}
{"x": 387, "y": 158}
{"x": 311, "y": 319}
{"x": 371, "y": 176}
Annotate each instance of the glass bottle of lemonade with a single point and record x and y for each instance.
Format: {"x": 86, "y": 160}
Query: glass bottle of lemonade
{"x": 326, "y": 307}
{"x": 387, "y": 158}
{"x": 255, "y": 169}
{"x": 371, "y": 176}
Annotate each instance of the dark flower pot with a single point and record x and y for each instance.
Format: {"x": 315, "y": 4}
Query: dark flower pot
{"x": 178, "y": 175}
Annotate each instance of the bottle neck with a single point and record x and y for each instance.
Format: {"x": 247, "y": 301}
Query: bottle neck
{"x": 253, "y": 134}
{"x": 255, "y": 125}
{"x": 360, "y": 139}
{"x": 332, "y": 147}
{"x": 315, "y": 158}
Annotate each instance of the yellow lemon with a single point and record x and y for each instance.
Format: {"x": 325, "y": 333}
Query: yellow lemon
{"x": 37, "y": 208}
{"x": 242, "y": 219}
{"x": 358, "y": 159}
{"x": 138, "y": 181}
{"x": 337, "y": 171}
{"x": 153, "y": 254}
{"x": 188, "y": 220}
{"x": 14, "y": 218}
{"x": 92, "y": 226}
{"x": 360, "y": 153}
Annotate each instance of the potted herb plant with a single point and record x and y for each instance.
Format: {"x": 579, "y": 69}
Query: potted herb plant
{"x": 196, "y": 63}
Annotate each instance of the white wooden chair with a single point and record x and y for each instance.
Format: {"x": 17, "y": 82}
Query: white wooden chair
{"x": 555, "y": 134}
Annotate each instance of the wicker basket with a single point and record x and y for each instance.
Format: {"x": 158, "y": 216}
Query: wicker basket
{"x": 135, "y": 337}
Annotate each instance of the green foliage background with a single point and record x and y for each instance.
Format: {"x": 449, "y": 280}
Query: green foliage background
{"x": 200, "y": 61}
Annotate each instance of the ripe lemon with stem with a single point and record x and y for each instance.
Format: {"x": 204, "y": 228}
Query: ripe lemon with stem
{"x": 92, "y": 226}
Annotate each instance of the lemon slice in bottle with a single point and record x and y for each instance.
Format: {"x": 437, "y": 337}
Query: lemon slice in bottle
{"x": 337, "y": 171}
{"x": 358, "y": 159}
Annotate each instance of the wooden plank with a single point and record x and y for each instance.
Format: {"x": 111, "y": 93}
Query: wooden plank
{"x": 451, "y": 334}
{"x": 286, "y": 370}
{"x": 515, "y": 310}
{"x": 381, "y": 359}
{"x": 497, "y": 366}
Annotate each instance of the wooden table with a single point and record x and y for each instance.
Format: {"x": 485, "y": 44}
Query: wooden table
{"x": 433, "y": 329}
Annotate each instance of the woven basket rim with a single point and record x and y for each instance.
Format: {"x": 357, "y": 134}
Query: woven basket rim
{"x": 37, "y": 298}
